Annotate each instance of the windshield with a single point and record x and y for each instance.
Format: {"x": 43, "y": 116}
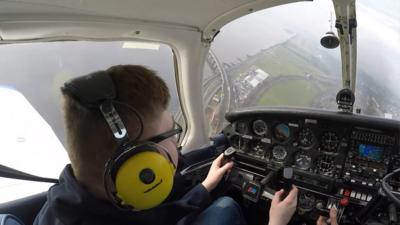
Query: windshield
{"x": 274, "y": 58}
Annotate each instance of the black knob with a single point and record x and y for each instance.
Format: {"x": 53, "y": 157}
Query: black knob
{"x": 287, "y": 180}
{"x": 229, "y": 153}
{"x": 147, "y": 176}
{"x": 319, "y": 205}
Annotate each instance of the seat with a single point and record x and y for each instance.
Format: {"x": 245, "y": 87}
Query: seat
{"x": 8, "y": 219}
{"x": 26, "y": 208}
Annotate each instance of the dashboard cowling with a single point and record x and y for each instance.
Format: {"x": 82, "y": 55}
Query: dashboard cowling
{"x": 338, "y": 158}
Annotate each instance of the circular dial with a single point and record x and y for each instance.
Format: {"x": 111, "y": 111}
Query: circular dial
{"x": 329, "y": 142}
{"x": 279, "y": 153}
{"x": 258, "y": 148}
{"x": 303, "y": 160}
{"x": 306, "y": 201}
{"x": 282, "y": 132}
{"x": 239, "y": 143}
{"x": 306, "y": 137}
{"x": 242, "y": 127}
{"x": 325, "y": 165}
{"x": 260, "y": 127}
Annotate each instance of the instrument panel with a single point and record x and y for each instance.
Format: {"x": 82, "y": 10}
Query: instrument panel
{"x": 319, "y": 146}
{"x": 306, "y": 144}
{"x": 337, "y": 158}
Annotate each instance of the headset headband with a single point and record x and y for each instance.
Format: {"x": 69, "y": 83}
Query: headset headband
{"x": 91, "y": 90}
{"x": 96, "y": 90}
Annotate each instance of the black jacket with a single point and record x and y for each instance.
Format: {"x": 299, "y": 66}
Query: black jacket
{"x": 68, "y": 203}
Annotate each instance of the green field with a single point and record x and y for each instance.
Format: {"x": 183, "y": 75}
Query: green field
{"x": 293, "y": 57}
{"x": 289, "y": 59}
{"x": 292, "y": 92}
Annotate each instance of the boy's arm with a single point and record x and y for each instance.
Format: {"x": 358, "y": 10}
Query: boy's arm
{"x": 282, "y": 210}
{"x": 198, "y": 197}
{"x": 216, "y": 172}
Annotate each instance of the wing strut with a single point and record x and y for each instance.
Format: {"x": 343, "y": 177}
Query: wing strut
{"x": 346, "y": 24}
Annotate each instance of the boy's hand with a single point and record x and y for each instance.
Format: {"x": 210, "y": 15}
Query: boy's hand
{"x": 216, "y": 173}
{"x": 281, "y": 211}
{"x": 332, "y": 216}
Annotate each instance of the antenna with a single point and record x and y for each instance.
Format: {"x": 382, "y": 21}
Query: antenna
{"x": 330, "y": 40}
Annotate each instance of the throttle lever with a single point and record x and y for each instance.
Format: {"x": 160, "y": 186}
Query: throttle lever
{"x": 228, "y": 155}
{"x": 287, "y": 181}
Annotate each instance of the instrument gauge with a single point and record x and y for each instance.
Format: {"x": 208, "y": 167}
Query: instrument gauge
{"x": 306, "y": 137}
{"x": 325, "y": 165}
{"x": 279, "y": 153}
{"x": 260, "y": 127}
{"x": 306, "y": 201}
{"x": 282, "y": 132}
{"x": 303, "y": 160}
{"x": 258, "y": 148}
{"x": 239, "y": 142}
{"x": 329, "y": 142}
{"x": 242, "y": 127}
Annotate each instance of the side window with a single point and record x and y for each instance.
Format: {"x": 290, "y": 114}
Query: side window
{"x": 32, "y": 134}
{"x": 28, "y": 144}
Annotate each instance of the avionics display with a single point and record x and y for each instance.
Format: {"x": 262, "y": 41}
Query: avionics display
{"x": 370, "y": 152}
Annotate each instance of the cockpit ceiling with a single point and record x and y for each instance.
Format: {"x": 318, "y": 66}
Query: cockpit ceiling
{"x": 194, "y": 14}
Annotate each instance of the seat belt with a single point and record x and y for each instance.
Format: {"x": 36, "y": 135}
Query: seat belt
{"x": 8, "y": 172}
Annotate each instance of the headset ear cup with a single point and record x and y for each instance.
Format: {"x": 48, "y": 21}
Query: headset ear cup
{"x": 172, "y": 167}
{"x": 144, "y": 180}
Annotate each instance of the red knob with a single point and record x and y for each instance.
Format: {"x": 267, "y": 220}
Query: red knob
{"x": 344, "y": 201}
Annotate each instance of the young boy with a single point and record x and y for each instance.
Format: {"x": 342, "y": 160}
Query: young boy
{"x": 141, "y": 101}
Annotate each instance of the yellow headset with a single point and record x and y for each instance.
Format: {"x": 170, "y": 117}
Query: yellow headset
{"x": 138, "y": 176}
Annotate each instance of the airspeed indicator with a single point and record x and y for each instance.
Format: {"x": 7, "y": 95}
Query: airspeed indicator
{"x": 260, "y": 127}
